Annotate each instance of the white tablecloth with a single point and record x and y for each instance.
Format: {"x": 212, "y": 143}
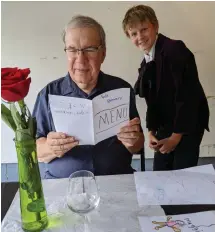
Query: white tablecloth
{"x": 118, "y": 210}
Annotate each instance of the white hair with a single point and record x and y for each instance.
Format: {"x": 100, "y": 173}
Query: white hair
{"x": 80, "y": 21}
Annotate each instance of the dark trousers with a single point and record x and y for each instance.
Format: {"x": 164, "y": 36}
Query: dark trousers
{"x": 185, "y": 155}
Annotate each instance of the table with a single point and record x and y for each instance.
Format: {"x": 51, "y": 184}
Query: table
{"x": 118, "y": 204}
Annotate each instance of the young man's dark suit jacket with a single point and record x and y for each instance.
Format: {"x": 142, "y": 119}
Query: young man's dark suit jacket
{"x": 170, "y": 85}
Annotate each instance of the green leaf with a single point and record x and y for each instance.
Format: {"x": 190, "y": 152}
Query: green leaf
{"x": 23, "y": 134}
{"x": 7, "y": 117}
{"x": 36, "y": 206}
{"x": 16, "y": 117}
{"x": 32, "y": 126}
{"x": 24, "y": 186}
{"x": 23, "y": 109}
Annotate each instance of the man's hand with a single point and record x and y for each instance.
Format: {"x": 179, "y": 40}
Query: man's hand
{"x": 131, "y": 136}
{"x": 169, "y": 144}
{"x": 59, "y": 143}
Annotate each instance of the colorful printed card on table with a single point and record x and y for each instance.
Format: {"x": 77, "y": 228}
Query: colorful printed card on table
{"x": 91, "y": 121}
{"x": 196, "y": 222}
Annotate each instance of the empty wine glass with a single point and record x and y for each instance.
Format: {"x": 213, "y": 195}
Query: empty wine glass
{"x": 82, "y": 194}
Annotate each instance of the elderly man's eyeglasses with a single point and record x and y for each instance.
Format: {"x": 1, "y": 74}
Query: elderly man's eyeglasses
{"x": 89, "y": 51}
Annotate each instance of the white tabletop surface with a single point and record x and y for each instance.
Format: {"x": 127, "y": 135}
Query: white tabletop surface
{"x": 118, "y": 210}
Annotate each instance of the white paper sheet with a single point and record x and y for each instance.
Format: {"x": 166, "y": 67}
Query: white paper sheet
{"x": 207, "y": 169}
{"x": 73, "y": 116}
{"x": 91, "y": 121}
{"x": 174, "y": 188}
{"x": 198, "y": 222}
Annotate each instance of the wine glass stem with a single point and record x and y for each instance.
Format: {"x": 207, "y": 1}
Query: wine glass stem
{"x": 86, "y": 223}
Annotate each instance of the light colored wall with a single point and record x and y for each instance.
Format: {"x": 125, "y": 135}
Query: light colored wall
{"x": 31, "y": 38}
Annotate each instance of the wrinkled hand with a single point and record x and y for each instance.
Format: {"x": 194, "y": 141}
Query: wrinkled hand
{"x": 153, "y": 142}
{"x": 59, "y": 143}
{"x": 168, "y": 144}
{"x": 130, "y": 133}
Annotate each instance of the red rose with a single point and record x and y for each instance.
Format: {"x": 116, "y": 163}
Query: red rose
{"x": 14, "y": 83}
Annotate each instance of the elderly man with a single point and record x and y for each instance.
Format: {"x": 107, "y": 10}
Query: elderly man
{"x": 84, "y": 40}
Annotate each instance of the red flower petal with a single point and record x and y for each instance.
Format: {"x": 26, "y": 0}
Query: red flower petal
{"x": 25, "y": 72}
{"x": 13, "y": 75}
{"x": 6, "y": 71}
{"x": 17, "y": 91}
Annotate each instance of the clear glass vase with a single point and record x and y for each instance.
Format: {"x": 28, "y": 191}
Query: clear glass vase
{"x": 32, "y": 203}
